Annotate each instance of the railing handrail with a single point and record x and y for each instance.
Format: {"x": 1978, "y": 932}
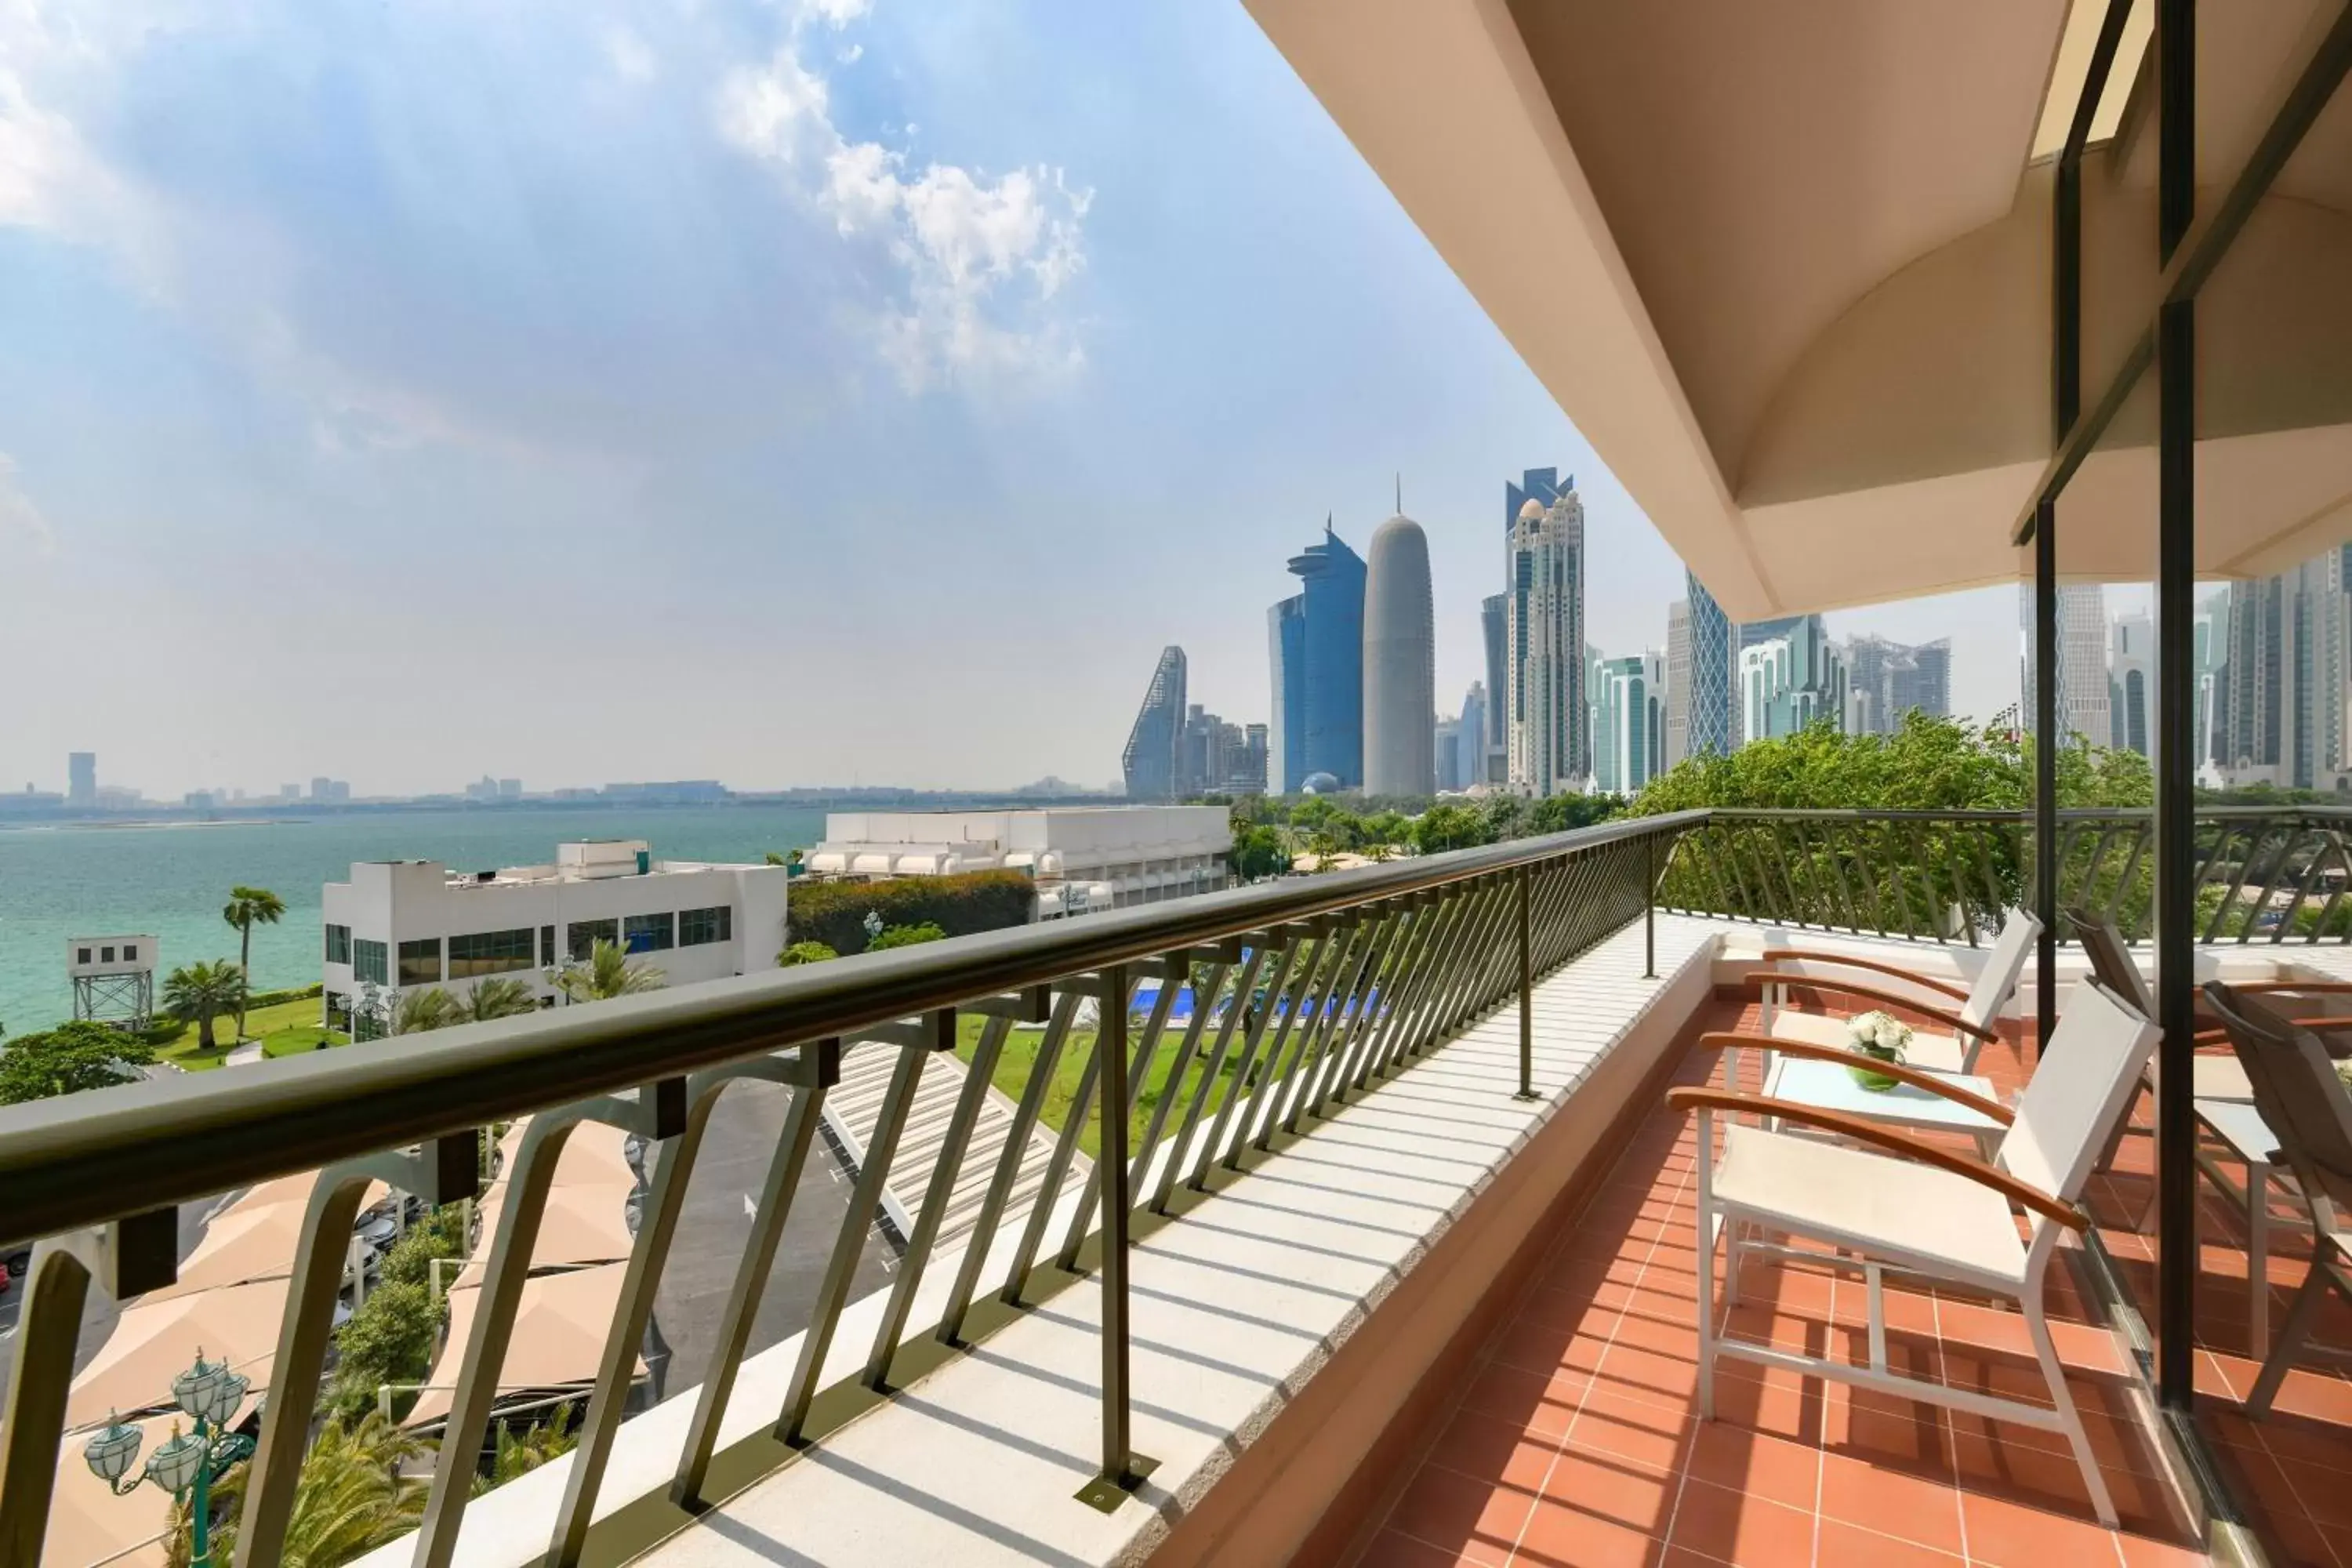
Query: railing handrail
{"x": 84, "y": 1159}
{"x": 2013, "y": 814}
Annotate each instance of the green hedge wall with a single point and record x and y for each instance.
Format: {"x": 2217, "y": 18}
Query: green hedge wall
{"x": 835, "y": 912}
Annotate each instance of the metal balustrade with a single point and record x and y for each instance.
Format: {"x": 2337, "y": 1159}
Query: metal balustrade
{"x": 2264, "y": 875}
{"x": 1307, "y": 991}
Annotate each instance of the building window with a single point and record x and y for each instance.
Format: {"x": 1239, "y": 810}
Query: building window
{"x": 547, "y": 947}
{"x": 338, "y": 944}
{"x": 368, "y": 960}
{"x": 106, "y": 955}
{"x": 649, "y": 934}
{"x": 420, "y": 962}
{"x": 581, "y": 939}
{"x": 131, "y": 954}
{"x": 489, "y": 953}
{"x": 696, "y": 927}
{"x": 82, "y": 955}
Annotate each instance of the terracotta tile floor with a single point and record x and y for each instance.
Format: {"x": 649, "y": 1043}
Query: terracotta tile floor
{"x": 1574, "y": 1443}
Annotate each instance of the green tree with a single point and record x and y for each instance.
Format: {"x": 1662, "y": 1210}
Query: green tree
{"x": 67, "y": 1059}
{"x": 801, "y": 952}
{"x": 495, "y": 998}
{"x": 427, "y": 1009}
{"x": 1448, "y": 827}
{"x": 350, "y": 1499}
{"x": 388, "y": 1339}
{"x": 521, "y": 1451}
{"x": 1386, "y": 828}
{"x": 247, "y": 907}
{"x": 907, "y": 936}
{"x": 608, "y": 974}
{"x": 1258, "y": 851}
{"x": 198, "y": 993}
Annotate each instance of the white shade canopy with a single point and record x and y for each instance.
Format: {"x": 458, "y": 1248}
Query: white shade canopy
{"x": 587, "y": 1222}
{"x": 559, "y": 1334}
{"x": 1786, "y": 265}
{"x": 155, "y": 1341}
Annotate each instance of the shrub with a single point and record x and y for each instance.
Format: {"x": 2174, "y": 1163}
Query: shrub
{"x": 835, "y": 913}
{"x": 907, "y": 936}
{"x": 801, "y": 952}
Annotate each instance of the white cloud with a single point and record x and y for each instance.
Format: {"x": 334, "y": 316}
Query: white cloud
{"x": 23, "y": 530}
{"x": 835, "y": 14}
{"x": 979, "y": 258}
{"x": 628, "y": 54}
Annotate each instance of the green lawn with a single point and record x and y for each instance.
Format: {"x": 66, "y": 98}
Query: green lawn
{"x": 283, "y": 1028}
{"x": 1018, "y": 1059}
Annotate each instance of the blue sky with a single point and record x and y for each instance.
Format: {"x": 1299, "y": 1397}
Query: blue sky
{"x": 787, "y": 393}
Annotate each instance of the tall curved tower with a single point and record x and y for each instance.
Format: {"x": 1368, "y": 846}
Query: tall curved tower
{"x": 1400, "y": 664}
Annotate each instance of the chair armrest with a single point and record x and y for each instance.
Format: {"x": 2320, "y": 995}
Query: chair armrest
{"x": 1951, "y": 1021}
{"x": 1776, "y": 954}
{"x": 1914, "y": 1077}
{"x": 2317, "y": 987}
{"x": 1886, "y": 1137}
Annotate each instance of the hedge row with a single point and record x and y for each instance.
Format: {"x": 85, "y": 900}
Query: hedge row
{"x": 835, "y": 912}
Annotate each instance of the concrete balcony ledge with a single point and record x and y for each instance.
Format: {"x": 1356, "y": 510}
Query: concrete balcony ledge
{"x": 1281, "y": 1326}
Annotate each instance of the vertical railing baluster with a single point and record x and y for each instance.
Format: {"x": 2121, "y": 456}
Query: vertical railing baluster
{"x": 648, "y": 1252}
{"x": 1429, "y": 916}
{"x": 1315, "y": 1057}
{"x": 1066, "y": 1142}
{"x": 940, "y": 1193}
{"x": 1181, "y": 1151}
{"x": 48, "y": 1322}
{"x": 1171, "y": 1087}
{"x": 1382, "y": 924}
{"x": 865, "y": 1204}
{"x": 1131, "y": 1079}
{"x": 1009, "y": 1162}
{"x": 1323, "y": 956}
{"x": 1290, "y": 939}
{"x": 820, "y": 1070}
{"x": 1123, "y": 1468}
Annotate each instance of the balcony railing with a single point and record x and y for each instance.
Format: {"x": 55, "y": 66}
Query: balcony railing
{"x": 1328, "y": 983}
{"x": 2264, "y": 875}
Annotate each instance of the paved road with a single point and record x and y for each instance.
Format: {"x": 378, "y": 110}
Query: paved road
{"x": 715, "y": 1229}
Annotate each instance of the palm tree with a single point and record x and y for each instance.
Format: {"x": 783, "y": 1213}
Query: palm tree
{"x": 430, "y": 1008}
{"x": 351, "y": 1499}
{"x": 496, "y": 999}
{"x": 201, "y": 992}
{"x": 606, "y": 975}
{"x": 247, "y": 907}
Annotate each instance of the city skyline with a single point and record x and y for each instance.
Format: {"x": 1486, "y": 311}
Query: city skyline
{"x": 678, "y": 451}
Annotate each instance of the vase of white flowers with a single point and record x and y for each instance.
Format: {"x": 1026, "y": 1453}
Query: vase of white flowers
{"x": 1880, "y": 1036}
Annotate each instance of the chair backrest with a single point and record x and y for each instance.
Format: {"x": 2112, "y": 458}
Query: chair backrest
{"x": 2302, "y": 1101}
{"x": 2111, "y": 960}
{"x": 2080, "y": 1086}
{"x": 1997, "y": 980}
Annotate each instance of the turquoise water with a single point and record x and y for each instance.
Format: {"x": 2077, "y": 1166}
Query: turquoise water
{"x": 172, "y": 880}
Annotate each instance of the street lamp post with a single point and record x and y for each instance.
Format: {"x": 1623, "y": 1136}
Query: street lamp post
{"x": 873, "y": 926}
{"x": 184, "y": 1465}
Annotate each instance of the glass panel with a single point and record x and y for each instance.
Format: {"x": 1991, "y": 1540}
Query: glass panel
{"x": 369, "y": 962}
{"x": 420, "y": 962}
{"x": 489, "y": 953}
{"x": 649, "y": 934}
{"x": 581, "y": 937}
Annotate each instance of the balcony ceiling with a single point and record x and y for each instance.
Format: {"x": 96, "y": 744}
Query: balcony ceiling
{"x": 1786, "y": 265}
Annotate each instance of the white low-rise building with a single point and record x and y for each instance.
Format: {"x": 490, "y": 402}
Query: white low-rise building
{"x": 406, "y": 925}
{"x": 1082, "y": 858}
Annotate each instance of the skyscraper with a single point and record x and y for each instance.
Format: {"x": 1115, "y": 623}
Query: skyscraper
{"x": 1319, "y": 666}
{"x": 1628, "y": 722}
{"x": 1887, "y": 680}
{"x": 1470, "y": 767}
{"x": 2210, "y": 648}
{"x": 1549, "y": 722}
{"x": 2082, "y": 708}
{"x": 1675, "y": 742}
{"x": 1705, "y": 694}
{"x": 82, "y": 779}
{"x": 1152, "y": 760}
{"x": 1400, "y": 664}
{"x": 1790, "y": 674}
{"x": 1495, "y": 746}
{"x": 2290, "y": 667}
{"x": 2131, "y": 682}
{"x": 1448, "y": 754}
{"x": 1285, "y": 742}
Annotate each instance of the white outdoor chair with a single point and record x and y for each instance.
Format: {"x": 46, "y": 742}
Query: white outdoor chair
{"x": 1933, "y": 1213}
{"x": 2224, "y": 1098}
{"x": 1958, "y": 1035}
{"x": 2296, "y": 1090}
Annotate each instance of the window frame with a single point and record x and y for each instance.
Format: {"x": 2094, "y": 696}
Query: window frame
{"x": 661, "y": 924}
{"x": 412, "y": 949}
